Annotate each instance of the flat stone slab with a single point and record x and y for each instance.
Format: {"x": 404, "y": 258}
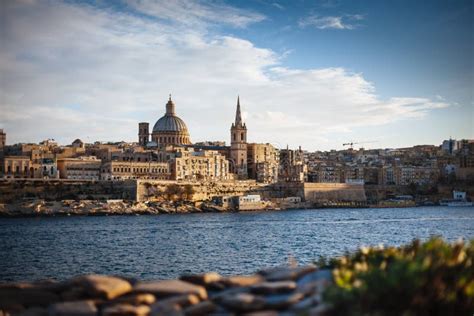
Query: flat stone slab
{"x": 273, "y": 287}
{"x": 32, "y": 311}
{"x": 135, "y": 299}
{"x": 77, "y": 308}
{"x": 203, "y": 308}
{"x": 180, "y": 300}
{"x": 281, "y": 301}
{"x": 202, "y": 279}
{"x": 170, "y": 287}
{"x": 107, "y": 287}
{"x": 288, "y": 273}
{"x": 26, "y": 297}
{"x": 243, "y": 280}
{"x": 243, "y": 302}
{"x": 316, "y": 281}
{"x": 126, "y": 310}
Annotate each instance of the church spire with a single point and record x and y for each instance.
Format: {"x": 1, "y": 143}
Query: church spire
{"x": 238, "y": 115}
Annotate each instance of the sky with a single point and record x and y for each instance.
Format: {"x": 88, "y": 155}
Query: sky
{"x": 315, "y": 74}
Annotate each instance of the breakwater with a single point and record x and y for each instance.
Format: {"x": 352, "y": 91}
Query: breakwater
{"x": 293, "y": 290}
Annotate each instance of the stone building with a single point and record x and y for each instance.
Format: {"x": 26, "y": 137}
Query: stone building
{"x": 419, "y": 175}
{"x": 262, "y": 162}
{"x": 168, "y": 130}
{"x": 238, "y": 145}
{"x": 292, "y": 167}
{"x": 3, "y": 140}
{"x": 124, "y": 170}
{"x": 143, "y": 133}
{"x": 17, "y": 167}
{"x": 82, "y": 168}
{"x": 199, "y": 165}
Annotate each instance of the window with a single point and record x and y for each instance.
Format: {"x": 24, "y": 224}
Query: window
{"x": 242, "y": 136}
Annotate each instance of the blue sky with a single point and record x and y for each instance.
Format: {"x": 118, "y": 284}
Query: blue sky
{"x": 310, "y": 73}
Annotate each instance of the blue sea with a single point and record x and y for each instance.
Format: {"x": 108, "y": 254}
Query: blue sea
{"x": 166, "y": 246}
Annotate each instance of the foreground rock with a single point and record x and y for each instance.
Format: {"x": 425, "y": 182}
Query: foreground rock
{"x": 277, "y": 291}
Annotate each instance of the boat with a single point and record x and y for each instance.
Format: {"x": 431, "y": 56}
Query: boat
{"x": 459, "y": 200}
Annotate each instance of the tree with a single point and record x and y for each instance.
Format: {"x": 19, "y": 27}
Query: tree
{"x": 413, "y": 188}
{"x": 173, "y": 192}
{"x": 188, "y": 192}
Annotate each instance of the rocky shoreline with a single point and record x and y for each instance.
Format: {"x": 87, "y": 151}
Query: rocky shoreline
{"x": 42, "y": 208}
{"x": 275, "y": 291}
{"x": 105, "y": 208}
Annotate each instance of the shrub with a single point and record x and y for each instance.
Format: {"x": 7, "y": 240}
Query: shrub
{"x": 173, "y": 192}
{"x": 422, "y": 278}
{"x": 188, "y": 192}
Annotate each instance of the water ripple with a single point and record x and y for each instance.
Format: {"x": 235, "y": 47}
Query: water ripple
{"x": 165, "y": 246}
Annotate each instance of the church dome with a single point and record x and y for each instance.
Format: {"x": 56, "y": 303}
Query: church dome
{"x": 170, "y": 129}
{"x": 170, "y": 123}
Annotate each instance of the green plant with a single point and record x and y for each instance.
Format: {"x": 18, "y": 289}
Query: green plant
{"x": 173, "y": 192}
{"x": 188, "y": 192}
{"x": 422, "y": 278}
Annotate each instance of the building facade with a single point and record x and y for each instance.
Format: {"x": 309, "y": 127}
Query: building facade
{"x": 18, "y": 167}
{"x": 262, "y": 162}
{"x": 125, "y": 170}
{"x": 83, "y": 168}
{"x": 199, "y": 165}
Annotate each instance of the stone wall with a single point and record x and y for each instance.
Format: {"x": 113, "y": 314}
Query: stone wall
{"x": 13, "y": 190}
{"x": 149, "y": 189}
{"x": 317, "y": 192}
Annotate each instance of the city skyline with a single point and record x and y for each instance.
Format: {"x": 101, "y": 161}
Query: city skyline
{"x": 316, "y": 76}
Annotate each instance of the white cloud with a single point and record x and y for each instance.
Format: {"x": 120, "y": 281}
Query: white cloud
{"x": 195, "y": 12}
{"x": 74, "y": 71}
{"x": 343, "y": 22}
{"x": 278, "y": 6}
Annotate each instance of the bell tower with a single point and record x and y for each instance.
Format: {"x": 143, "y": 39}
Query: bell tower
{"x": 238, "y": 144}
{"x": 143, "y": 133}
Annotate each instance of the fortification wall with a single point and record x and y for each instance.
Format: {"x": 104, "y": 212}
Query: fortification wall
{"x": 152, "y": 189}
{"x": 13, "y": 190}
{"x": 317, "y": 192}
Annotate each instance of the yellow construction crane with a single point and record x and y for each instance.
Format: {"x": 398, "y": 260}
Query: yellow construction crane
{"x": 351, "y": 144}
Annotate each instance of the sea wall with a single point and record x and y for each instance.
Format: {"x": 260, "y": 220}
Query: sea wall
{"x": 153, "y": 189}
{"x": 320, "y": 192}
{"x": 317, "y": 192}
{"x": 13, "y": 190}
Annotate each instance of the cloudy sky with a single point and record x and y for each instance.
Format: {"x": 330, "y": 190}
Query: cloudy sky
{"x": 309, "y": 73}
